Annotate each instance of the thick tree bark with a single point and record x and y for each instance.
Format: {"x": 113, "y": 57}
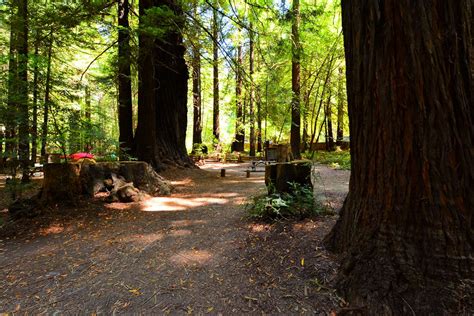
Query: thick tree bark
{"x": 215, "y": 67}
{"x": 340, "y": 108}
{"x": 44, "y": 134}
{"x": 239, "y": 120}
{"x": 162, "y": 96}
{"x": 23, "y": 113}
{"x": 251, "y": 93}
{"x": 125, "y": 111}
{"x": 406, "y": 225}
{"x": 295, "y": 133}
{"x": 145, "y": 145}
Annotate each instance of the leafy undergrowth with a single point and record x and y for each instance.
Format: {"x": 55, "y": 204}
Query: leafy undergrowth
{"x": 335, "y": 159}
{"x": 298, "y": 204}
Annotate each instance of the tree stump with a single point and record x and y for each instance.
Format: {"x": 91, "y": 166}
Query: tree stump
{"x": 139, "y": 173}
{"x": 279, "y": 175}
{"x": 61, "y": 182}
{"x": 125, "y": 182}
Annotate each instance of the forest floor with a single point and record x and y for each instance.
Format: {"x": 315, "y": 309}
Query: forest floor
{"x": 193, "y": 252}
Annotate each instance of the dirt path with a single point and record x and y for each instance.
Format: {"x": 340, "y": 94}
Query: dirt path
{"x": 192, "y": 252}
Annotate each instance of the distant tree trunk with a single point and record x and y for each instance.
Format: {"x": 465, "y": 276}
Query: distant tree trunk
{"x": 34, "y": 122}
{"x": 197, "y": 107}
{"x": 406, "y": 225}
{"x": 259, "y": 122}
{"x": 23, "y": 113}
{"x": 215, "y": 67}
{"x": 125, "y": 111}
{"x": 196, "y": 79}
{"x": 47, "y": 101}
{"x": 251, "y": 93}
{"x": 340, "y": 108}
{"x": 162, "y": 93}
{"x": 88, "y": 119}
{"x": 328, "y": 115}
{"x": 305, "y": 109}
{"x": 11, "y": 113}
{"x": 239, "y": 120}
{"x": 295, "y": 136}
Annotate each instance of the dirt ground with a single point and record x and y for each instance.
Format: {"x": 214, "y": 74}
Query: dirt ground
{"x": 193, "y": 252}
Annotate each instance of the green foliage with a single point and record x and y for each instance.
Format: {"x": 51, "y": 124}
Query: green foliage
{"x": 298, "y": 204}
{"x": 335, "y": 159}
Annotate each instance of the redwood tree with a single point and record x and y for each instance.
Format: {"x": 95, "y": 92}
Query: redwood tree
{"x": 215, "y": 69}
{"x": 125, "y": 112}
{"x": 162, "y": 92}
{"x": 406, "y": 225}
{"x": 251, "y": 93}
{"x": 196, "y": 79}
{"x": 238, "y": 145}
{"x": 295, "y": 136}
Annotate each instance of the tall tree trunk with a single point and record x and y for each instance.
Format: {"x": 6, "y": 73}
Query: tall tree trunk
{"x": 406, "y": 225}
{"x": 11, "y": 114}
{"x": 145, "y": 145}
{"x": 34, "y": 122}
{"x": 251, "y": 93}
{"x": 88, "y": 118}
{"x": 47, "y": 101}
{"x": 125, "y": 110}
{"x": 23, "y": 114}
{"x": 163, "y": 74}
{"x": 259, "y": 122}
{"x": 196, "y": 78}
{"x": 197, "y": 106}
{"x": 215, "y": 67}
{"x": 340, "y": 108}
{"x": 305, "y": 109}
{"x": 328, "y": 115}
{"x": 295, "y": 134}
{"x": 239, "y": 119}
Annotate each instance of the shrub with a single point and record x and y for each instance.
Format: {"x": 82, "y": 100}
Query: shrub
{"x": 298, "y": 204}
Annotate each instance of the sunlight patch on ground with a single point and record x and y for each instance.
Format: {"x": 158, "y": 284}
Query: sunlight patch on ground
{"x": 118, "y": 206}
{"x": 187, "y": 222}
{"x": 145, "y": 238}
{"x": 194, "y": 257}
{"x": 184, "y": 182}
{"x": 180, "y": 232}
{"x": 258, "y": 228}
{"x": 306, "y": 226}
{"x": 163, "y": 204}
{"x": 52, "y": 229}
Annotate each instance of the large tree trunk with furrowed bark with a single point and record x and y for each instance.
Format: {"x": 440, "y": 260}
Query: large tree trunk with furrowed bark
{"x": 406, "y": 225}
{"x": 125, "y": 111}
{"x": 162, "y": 96}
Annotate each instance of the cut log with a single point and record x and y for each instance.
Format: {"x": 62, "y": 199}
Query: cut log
{"x": 279, "y": 176}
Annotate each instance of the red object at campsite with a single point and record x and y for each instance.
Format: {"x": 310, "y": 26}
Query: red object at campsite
{"x": 77, "y": 156}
